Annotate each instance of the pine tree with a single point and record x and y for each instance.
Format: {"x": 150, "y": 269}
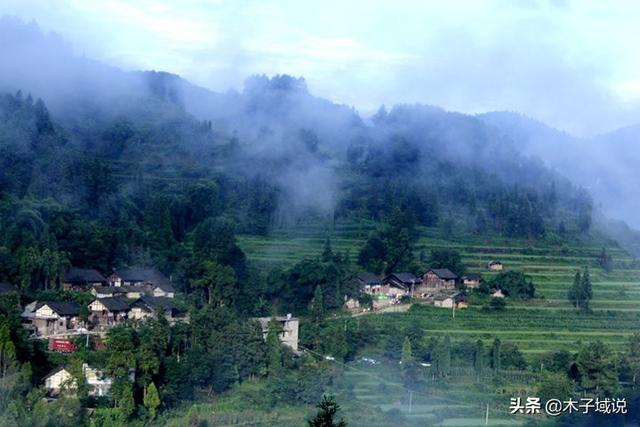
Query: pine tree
{"x": 327, "y": 252}
{"x": 495, "y": 355}
{"x": 8, "y": 361}
{"x": 587, "y": 292}
{"x": 317, "y": 306}
{"x": 274, "y": 349}
{"x": 575, "y": 291}
{"x": 151, "y": 399}
{"x": 443, "y": 357}
{"x": 479, "y": 357}
{"x": 328, "y": 408}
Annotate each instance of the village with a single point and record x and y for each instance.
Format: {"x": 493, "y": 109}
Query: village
{"x": 439, "y": 287}
{"x": 137, "y": 293}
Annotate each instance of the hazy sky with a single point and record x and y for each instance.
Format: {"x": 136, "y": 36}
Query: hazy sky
{"x": 571, "y": 64}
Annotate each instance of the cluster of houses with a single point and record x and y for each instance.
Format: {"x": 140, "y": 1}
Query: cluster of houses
{"x": 438, "y": 286}
{"x": 61, "y": 380}
{"x": 129, "y": 293}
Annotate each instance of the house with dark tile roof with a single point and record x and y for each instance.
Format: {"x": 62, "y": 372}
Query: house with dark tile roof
{"x": 47, "y": 318}
{"x": 80, "y": 279}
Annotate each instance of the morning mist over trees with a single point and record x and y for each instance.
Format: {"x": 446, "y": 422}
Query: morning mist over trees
{"x": 282, "y": 214}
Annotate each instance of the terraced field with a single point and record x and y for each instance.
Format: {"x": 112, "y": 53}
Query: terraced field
{"x": 460, "y": 404}
{"x": 546, "y": 323}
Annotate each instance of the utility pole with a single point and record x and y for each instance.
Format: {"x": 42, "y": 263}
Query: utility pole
{"x": 486, "y": 417}
{"x": 410, "y": 400}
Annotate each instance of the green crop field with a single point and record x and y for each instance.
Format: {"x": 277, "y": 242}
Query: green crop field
{"x": 544, "y": 324}
{"x": 547, "y": 323}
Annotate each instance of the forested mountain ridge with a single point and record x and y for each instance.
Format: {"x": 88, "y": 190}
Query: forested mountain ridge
{"x": 129, "y": 174}
{"x": 604, "y": 164}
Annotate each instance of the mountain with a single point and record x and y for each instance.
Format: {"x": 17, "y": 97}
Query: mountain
{"x": 274, "y": 154}
{"x": 606, "y": 165}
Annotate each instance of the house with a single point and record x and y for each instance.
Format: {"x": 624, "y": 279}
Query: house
{"x": 51, "y": 318}
{"x": 7, "y": 289}
{"x": 288, "y": 329}
{"x": 161, "y": 290}
{"x": 369, "y": 283}
{"x": 351, "y": 303}
{"x": 58, "y": 380}
{"x": 439, "y": 279}
{"x": 449, "y": 300}
{"x": 79, "y": 279}
{"x": 398, "y": 284}
{"x": 130, "y": 292}
{"x": 495, "y": 265}
{"x": 138, "y": 276}
{"x": 99, "y": 384}
{"x": 497, "y": 293}
{"x": 150, "y": 306}
{"x": 471, "y": 280}
{"x": 108, "y": 311}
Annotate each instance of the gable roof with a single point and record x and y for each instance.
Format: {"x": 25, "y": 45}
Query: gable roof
{"x": 142, "y": 274}
{"x": 165, "y": 287}
{"x": 472, "y": 276}
{"x": 369, "y": 278}
{"x": 113, "y": 290}
{"x": 114, "y": 304}
{"x": 155, "y": 303}
{"x": 82, "y": 275}
{"x": 65, "y": 308}
{"x": 442, "y": 297}
{"x": 406, "y": 278}
{"x": 444, "y": 273}
{"x": 55, "y": 371}
{"x": 7, "y": 288}
{"x": 495, "y": 261}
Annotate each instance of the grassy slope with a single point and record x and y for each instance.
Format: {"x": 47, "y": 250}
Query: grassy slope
{"x": 373, "y": 396}
{"x": 536, "y": 326}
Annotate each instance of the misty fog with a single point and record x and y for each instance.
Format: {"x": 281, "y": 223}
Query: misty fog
{"x": 265, "y": 114}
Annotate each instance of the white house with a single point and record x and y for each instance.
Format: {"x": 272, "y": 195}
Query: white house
{"x": 58, "y": 380}
{"x": 288, "y": 329}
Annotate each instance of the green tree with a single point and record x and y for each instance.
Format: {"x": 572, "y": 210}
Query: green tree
{"x": 575, "y": 291}
{"x": 151, "y": 399}
{"x": 495, "y": 355}
{"x": 120, "y": 360}
{"x": 443, "y": 357}
{"x": 587, "y": 292}
{"x": 327, "y": 252}
{"x": 633, "y": 358}
{"x": 274, "y": 348}
{"x": 408, "y": 364}
{"x": 597, "y": 371}
{"x": 447, "y": 258}
{"x": 515, "y": 284}
{"x": 8, "y": 363}
{"x": 605, "y": 261}
{"x": 555, "y": 385}
{"x": 218, "y": 282}
{"x": 479, "y": 357}
{"x": 327, "y": 410}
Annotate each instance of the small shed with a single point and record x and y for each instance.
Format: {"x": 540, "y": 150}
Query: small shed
{"x": 495, "y": 265}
